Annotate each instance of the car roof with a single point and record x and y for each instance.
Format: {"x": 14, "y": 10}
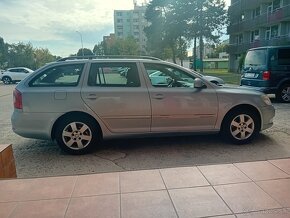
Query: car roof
{"x": 270, "y": 47}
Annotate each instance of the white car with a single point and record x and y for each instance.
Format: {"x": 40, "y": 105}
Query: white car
{"x": 13, "y": 75}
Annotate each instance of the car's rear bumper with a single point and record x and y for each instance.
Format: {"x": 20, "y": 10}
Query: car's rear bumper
{"x": 33, "y": 125}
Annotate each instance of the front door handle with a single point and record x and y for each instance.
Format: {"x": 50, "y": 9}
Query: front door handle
{"x": 158, "y": 96}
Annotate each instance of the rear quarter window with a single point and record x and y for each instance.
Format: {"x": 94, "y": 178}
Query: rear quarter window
{"x": 256, "y": 58}
{"x": 64, "y": 75}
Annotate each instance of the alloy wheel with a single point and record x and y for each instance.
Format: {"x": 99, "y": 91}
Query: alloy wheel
{"x": 242, "y": 127}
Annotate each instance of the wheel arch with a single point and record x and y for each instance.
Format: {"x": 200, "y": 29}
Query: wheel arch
{"x": 245, "y": 107}
{"x": 72, "y": 114}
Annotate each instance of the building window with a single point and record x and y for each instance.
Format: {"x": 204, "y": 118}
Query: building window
{"x": 136, "y": 27}
{"x": 119, "y": 20}
{"x": 240, "y": 39}
{"x": 242, "y": 17}
{"x": 119, "y": 27}
{"x": 135, "y": 20}
{"x": 120, "y": 34}
{"x": 255, "y": 35}
{"x": 276, "y": 5}
{"x": 274, "y": 31}
{"x": 119, "y": 13}
{"x": 256, "y": 12}
{"x": 268, "y": 33}
{"x": 128, "y": 20}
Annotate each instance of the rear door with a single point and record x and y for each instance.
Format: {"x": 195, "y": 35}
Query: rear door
{"x": 117, "y": 93}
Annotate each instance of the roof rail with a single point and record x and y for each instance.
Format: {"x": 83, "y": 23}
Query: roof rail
{"x": 107, "y": 57}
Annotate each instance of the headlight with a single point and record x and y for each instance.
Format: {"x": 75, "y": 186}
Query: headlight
{"x": 266, "y": 100}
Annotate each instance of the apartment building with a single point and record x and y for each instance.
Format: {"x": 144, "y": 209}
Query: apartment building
{"x": 255, "y": 23}
{"x": 131, "y": 23}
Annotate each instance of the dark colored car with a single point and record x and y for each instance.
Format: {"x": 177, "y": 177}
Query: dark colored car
{"x": 267, "y": 69}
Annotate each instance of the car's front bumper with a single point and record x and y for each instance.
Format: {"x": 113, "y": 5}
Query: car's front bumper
{"x": 268, "y": 113}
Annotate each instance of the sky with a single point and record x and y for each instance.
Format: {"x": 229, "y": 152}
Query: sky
{"x": 53, "y": 24}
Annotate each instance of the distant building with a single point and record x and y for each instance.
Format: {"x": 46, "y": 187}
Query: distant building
{"x": 257, "y": 23}
{"x": 131, "y": 23}
{"x": 207, "y": 51}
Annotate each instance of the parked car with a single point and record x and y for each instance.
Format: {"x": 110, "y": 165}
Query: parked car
{"x": 13, "y": 75}
{"x": 267, "y": 69}
{"x": 79, "y": 110}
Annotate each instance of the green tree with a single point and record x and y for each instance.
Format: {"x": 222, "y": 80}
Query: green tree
{"x": 21, "y": 54}
{"x": 3, "y": 54}
{"x": 85, "y": 52}
{"x": 42, "y": 56}
{"x": 99, "y": 49}
{"x": 118, "y": 46}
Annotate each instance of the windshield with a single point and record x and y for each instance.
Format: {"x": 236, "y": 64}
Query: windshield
{"x": 256, "y": 58}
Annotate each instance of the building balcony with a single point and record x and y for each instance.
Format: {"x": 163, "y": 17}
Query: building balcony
{"x": 241, "y": 48}
{"x": 266, "y": 19}
{"x": 244, "y": 5}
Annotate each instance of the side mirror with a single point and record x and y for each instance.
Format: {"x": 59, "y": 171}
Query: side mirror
{"x": 198, "y": 83}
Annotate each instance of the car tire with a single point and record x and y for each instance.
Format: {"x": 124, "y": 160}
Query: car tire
{"x": 283, "y": 94}
{"x": 241, "y": 126}
{"x": 6, "y": 80}
{"x": 78, "y": 135}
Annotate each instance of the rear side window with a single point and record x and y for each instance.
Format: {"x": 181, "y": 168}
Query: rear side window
{"x": 65, "y": 75}
{"x": 256, "y": 58}
{"x": 284, "y": 56}
{"x": 114, "y": 75}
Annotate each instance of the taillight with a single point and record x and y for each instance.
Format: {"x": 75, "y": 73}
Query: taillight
{"x": 17, "y": 99}
{"x": 266, "y": 75}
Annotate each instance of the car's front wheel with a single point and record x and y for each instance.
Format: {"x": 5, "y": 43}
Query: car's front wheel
{"x": 283, "y": 94}
{"x": 6, "y": 80}
{"x": 77, "y": 135}
{"x": 241, "y": 126}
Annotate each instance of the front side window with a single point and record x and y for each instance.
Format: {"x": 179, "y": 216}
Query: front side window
{"x": 65, "y": 75}
{"x": 114, "y": 75}
{"x": 284, "y": 56}
{"x": 167, "y": 76}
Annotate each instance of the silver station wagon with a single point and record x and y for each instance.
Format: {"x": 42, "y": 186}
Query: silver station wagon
{"x": 80, "y": 101}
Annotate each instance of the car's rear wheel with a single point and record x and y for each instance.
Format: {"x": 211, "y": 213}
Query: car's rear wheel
{"x": 241, "y": 126}
{"x": 77, "y": 135}
{"x": 283, "y": 94}
{"x": 6, "y": 80}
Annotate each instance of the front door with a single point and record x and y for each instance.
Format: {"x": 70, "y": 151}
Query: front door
{"x": 176, "y": 105}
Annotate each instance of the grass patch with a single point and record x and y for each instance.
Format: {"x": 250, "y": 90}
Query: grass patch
{"x": 228, "y": 77}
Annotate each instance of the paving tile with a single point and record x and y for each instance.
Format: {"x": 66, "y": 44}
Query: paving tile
{"x": 278, "y": 189}
{"x": 246, "y": 197}
{"x": 50, "y": 188}
{"x": 283, "y": 164}
{"x": 261, "y": 170}
{"x": 105, "y": 206}
{"x": 43, "y": 208}
{"x": 97, "y": 184}
{"x": 223, "y": 174}
{"x": 147, "y": 204}
{"x": 14, "y": 190}
{"x": 198, "y": 202}
{"x": 278, "y": 213}
{"x": 6, "y": 209}
{"x": 183, "y": 177}
{"x": 145, "y": 180}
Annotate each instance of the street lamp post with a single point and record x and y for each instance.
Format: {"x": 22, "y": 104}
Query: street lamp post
{"x": 81, "y": 42}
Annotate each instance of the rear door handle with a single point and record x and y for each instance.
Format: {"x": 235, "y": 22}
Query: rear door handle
{"x": 158, "y": 96}
{"x": 92, "y": 96}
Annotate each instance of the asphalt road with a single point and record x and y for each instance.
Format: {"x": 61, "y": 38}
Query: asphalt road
{"x": 37, "y": 158}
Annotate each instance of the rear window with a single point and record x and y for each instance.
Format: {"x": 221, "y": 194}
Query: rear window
{"x": 256, "y": 58}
